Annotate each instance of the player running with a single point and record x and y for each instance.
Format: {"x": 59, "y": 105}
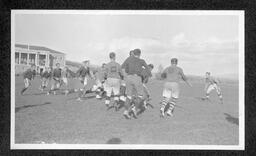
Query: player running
{"x": 45, "y": 78}
{"x": 112, "y": 84}
{"x": 211, "y": 84}
{"x": 132, "y": 67}
{"x": 28, "y": 76}
{"x": 83, "y": 74}
{"x": 171, "y": 90}
{"x": 56, "y": 80}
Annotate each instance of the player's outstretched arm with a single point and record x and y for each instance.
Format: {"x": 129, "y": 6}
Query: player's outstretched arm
{"x": 185, "y": 78}
{"x": 188, "y": 83}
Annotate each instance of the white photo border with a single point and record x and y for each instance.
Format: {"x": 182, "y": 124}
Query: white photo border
{"x": 240, "y": 146}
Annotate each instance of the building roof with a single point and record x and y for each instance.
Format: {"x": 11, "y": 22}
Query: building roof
{"x": 33, "y": 47}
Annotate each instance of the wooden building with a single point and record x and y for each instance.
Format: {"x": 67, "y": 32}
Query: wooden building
{"x": 42, "y": 57}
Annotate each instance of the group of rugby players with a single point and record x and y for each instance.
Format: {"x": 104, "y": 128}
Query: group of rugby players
{"x": 126, "y": 82}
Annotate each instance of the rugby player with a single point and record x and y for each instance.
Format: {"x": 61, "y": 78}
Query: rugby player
{"x": 211, "y": 84}
{"x": 171, "y": 90}
{"x": 83, "y": 74}
{"x": 132, "y": 67}
{"x": 28, "y": 75}
{"x": 100, "y": 79}
{"x": 123, "y": 85}
{"x": 112, "y": 84}
{"x": 45, "y": 78}
{"x": 64, "y": 77}
{"x": 56, "y": 79}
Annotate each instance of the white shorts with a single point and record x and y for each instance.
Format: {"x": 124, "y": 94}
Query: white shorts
{"x": 171, "y": 90}
{"x": 55, "y": 83}
{"x": 112, "y": 85}
{"x": 213, "y": 87}
{"x": 65, "y": 80}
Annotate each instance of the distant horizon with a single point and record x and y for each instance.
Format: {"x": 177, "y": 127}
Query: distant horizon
{"x": 233, "y": 76}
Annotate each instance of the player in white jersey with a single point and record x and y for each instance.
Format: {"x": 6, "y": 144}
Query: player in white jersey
{"x": 211, "y": 84}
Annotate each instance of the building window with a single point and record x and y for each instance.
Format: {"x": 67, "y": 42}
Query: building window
{"x": 17, "y": 57}
{"x": 42, "y": 59}
{"x": 32, "y": 59}
{"x": 23, "y": 58}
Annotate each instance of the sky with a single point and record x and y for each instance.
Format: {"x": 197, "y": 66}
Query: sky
{"x": 200, "y": 42}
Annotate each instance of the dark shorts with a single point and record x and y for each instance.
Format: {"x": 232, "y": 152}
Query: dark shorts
{"x": 134, "y": 86}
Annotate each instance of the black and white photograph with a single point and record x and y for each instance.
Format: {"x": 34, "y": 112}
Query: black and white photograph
{"x": 127, "y": 79}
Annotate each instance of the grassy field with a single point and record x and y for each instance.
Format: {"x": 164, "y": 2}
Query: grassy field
{"x": 41, "y": 118}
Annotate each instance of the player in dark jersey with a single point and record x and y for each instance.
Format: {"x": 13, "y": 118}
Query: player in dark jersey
{"x": 56, "y": 79}
{"x": 45, "y": 78}
{"x": 28, "y": 75}
{"x": 132, "y": 67}
{"x": 172, "y": 74}
{"x": 83, "y": 74}
{"x": 123, "y": 84}
{"x": 112, "y": 84}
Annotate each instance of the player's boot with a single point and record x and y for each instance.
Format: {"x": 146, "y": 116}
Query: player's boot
{"x": 122, "y": 98}
{"x": 126, "y": 114}
{"x": 162, "y": 112}
{"x": 98, "y": 96}
{"x": 79, "y": 99}
{"x": 23, "y": 90}
{"x": 169, "y": 112}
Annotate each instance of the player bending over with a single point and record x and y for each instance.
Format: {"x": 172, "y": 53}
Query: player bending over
{"x": 28, "y": 76}
{"x": 45, "y": 78}
{"x": 112, "y": 84}
{"x": 212, "y": 83}
{"x": 172, "y": 75}
{"x": 83, "y": 74}
{"x": 56, "y": 79}
{"x": 145, "y": 77}
{"x": 100, "y": 79}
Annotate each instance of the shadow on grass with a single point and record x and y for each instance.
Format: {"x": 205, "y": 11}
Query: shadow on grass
{"x": 114, "y": 141}
{"x": 83, "y": 98}
{"x": 17, "y": 109}
{"x": 231, "y": 119}
{"x": 41, "y": 93}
